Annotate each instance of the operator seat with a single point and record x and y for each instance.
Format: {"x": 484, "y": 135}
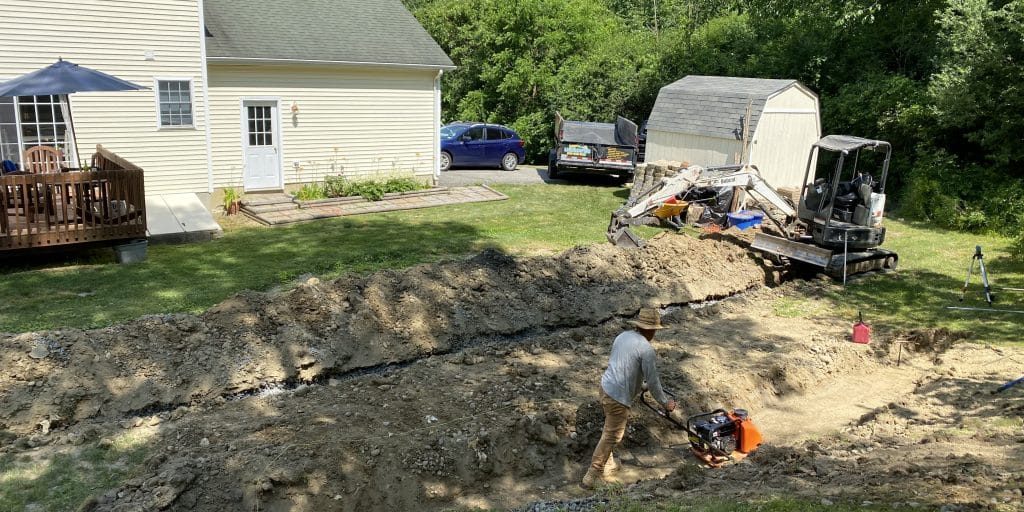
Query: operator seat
{"x": 853, "y": 199}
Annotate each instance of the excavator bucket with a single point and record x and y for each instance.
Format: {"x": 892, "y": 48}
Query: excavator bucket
{"x": 620, "y": 235}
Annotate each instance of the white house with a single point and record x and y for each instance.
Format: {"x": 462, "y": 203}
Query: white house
{"x": 701, "y": 120}
{"x": 249, "y": 94}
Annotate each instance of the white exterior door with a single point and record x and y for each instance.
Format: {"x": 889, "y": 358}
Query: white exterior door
{"x": 261, "y": 145}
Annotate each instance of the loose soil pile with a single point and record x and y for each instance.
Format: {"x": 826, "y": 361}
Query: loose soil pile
{"x": 495, "y": 402}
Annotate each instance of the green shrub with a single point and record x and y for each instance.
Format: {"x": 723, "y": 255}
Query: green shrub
{"x": 374, "y": 190}
{"x": 311, "y": 192}
{"x": 230, "y": 196}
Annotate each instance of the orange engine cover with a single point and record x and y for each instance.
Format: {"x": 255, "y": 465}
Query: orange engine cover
{"x": 748, "y": 437}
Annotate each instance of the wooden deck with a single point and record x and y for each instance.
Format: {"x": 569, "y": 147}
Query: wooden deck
{"x": 75, "y": 207}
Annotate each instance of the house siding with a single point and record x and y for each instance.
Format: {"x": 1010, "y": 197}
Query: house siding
{"x": 356, "y": 122}
{"x": 113, "y": 36}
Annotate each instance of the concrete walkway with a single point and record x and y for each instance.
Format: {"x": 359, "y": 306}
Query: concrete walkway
{"x": 287, "y": 212}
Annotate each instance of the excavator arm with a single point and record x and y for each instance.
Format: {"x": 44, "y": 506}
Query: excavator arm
{"x": 642, "y": 208}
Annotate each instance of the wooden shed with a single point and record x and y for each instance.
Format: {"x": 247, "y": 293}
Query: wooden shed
{"x": 701, "y": 120}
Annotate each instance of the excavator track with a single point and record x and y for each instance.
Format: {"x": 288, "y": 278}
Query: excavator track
{"x": 862, "y": 262}
{"x": 827, "y": 261}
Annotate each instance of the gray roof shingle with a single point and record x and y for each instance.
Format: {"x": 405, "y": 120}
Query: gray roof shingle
{"x": 350, "y": 31}
{"x": 713, "y": 106}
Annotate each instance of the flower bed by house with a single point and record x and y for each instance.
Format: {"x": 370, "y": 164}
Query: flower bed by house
{"x": 371, "y": 189}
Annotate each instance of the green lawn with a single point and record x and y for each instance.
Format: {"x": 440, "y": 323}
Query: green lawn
{"x": 933, "y": 265}
{"x": 63, "y": 481}
{"x": 92, "y": 291}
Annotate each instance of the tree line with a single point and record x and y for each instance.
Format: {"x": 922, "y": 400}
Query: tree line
{"x": 942, "y": 80}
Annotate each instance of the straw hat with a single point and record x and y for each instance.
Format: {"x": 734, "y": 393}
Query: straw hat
{"x": 649, "y": 318}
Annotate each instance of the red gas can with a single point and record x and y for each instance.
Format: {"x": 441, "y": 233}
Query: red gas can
{"x": 861, "y": 331}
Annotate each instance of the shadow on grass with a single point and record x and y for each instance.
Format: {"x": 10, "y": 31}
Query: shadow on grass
{"x": 91, "y": 291}
{"x": 590, "y": 180}
{"x": 193, "y": 277}
{"x": 65, "y": 480}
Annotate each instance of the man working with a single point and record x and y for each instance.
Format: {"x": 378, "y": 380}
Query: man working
{"x": 630, "y": 364}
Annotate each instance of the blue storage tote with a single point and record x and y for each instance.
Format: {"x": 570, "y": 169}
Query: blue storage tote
{"x": 744, "y": 219}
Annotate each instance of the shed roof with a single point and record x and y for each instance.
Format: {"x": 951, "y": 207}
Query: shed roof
{"x": 329, "y": 31}
{"x": 713, "y": 106}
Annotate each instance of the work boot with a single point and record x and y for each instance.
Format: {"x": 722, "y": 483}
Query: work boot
{"x": 610, "y": 466}
{"x": 591, "y": 478}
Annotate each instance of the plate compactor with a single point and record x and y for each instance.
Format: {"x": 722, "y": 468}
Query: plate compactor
{"x": 717, "y": 437}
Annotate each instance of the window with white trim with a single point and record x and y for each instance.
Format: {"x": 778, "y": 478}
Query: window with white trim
{"x": 175, "y": 101}
{"x": 29, "y": 121}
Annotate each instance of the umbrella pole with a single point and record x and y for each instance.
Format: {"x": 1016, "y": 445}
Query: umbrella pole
{"x": 71, "y": 132}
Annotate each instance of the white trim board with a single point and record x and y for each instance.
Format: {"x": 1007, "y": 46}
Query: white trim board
{"x": 244, "y": 60}
{"x": 206, "y": 96}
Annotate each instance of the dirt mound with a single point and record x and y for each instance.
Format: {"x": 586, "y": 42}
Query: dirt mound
{"x": 934, "y": 341}
{"x": 319, "y": 329}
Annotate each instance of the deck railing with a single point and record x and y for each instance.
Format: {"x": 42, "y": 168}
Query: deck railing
{"x": 53, "y": 209}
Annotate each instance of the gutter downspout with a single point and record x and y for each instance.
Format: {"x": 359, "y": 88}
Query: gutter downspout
{"x": 206, "y": 96}
{"x": 437, "y": 127}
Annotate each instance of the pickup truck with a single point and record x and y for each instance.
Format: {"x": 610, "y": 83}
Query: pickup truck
{"x": 594, "y": 148}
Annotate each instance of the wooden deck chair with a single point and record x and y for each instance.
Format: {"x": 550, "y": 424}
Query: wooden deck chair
{"x": 42, "y": 159}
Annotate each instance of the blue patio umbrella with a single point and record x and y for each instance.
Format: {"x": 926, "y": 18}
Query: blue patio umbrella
{"x": 65, "y": 78}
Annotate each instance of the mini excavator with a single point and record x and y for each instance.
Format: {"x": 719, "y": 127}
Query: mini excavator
{"x": 836, "y": 225}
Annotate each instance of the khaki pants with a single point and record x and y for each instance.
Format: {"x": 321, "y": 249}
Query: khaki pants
{"x": 615, "y": 417}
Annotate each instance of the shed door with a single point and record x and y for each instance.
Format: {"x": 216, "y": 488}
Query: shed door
{"x": 261, "y": 145}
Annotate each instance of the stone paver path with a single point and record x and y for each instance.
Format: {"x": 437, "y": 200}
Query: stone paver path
{"x": 407, "y": 202}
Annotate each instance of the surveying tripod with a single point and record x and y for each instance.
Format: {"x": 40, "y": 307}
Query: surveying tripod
{"x": 980, "y": 258}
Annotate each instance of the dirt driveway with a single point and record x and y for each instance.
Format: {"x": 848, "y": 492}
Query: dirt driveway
{"x": 523, "y": 175}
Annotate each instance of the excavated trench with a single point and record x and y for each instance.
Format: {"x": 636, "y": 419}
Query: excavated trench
{"x": 507, "y": 341}
{"x": 351, "y": 327}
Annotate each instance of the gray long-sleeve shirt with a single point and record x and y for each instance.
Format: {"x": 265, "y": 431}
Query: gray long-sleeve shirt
{"x": 630, "y": 364}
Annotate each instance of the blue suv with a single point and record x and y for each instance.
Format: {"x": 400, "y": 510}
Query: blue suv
{"x": 480, "y": 144}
